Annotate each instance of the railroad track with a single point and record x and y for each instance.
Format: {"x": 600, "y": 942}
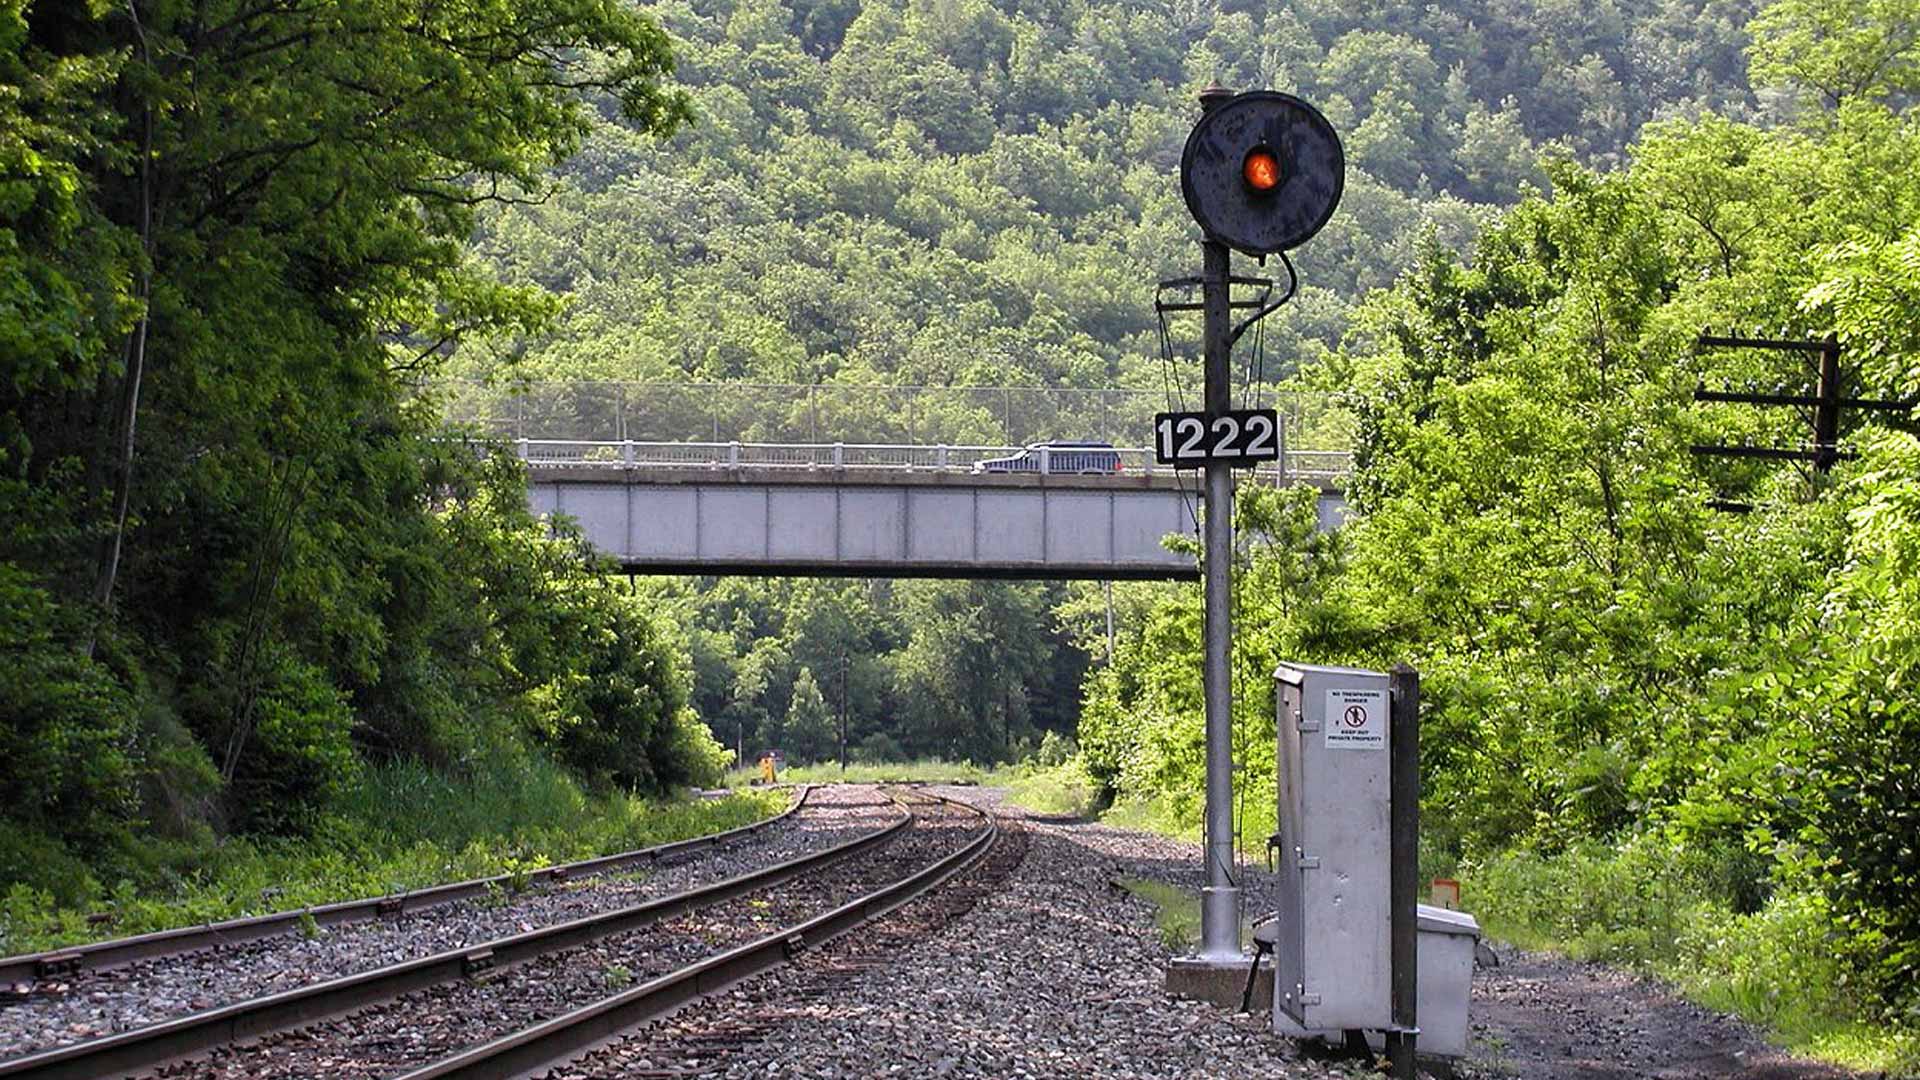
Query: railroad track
{"x": 558, "y": 988}
{"x": 699, "y": 1042}
{"x": 119, "y": 952}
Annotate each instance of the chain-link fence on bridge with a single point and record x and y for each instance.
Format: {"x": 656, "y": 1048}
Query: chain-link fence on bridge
{"x": 910, "y": 415}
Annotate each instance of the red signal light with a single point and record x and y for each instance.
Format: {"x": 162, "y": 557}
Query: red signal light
{"x": 1261, "y": 169}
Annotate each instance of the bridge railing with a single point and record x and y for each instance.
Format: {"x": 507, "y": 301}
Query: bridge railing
{"x": 822, "y": 414}
{"x": 1307, "y": 465}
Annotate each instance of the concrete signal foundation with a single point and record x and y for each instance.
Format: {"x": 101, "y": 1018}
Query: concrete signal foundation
{"x": 1222, "y": 983}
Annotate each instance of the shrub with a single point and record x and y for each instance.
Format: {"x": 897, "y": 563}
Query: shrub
{"x": 67, "y": 727}
{"x": 299, "y": 756}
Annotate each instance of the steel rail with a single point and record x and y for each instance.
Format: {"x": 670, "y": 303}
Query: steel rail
{"x": 119, "y": 952}
{"x": 563, "y": 1037}
{"x": 146, "y": 1047}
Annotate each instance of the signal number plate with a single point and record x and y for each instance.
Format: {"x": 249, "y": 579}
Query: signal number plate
{"x": 1190, "y": 440}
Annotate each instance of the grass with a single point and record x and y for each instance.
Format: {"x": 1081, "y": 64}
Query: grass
{"x": 1151, "y": 816}
{"x": 1056, "y": 789}
{"x": 1162, "y": 818}
{"x": 1176, "y": 913}
{"x": 404, "y": 827}
{"x": 1062, "y": 789}
{"x": 1642, "y": 907}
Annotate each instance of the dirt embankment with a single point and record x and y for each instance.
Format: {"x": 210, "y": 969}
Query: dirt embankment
{"x": 1544, "y": 1017}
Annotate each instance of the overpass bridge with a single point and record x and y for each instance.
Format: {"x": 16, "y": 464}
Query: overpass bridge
{"x": 882, "y": 510}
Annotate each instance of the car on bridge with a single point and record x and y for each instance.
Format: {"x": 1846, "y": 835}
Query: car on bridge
{"x": 1061, "y": 457}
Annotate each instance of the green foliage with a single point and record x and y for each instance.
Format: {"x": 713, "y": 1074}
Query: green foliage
{"x": 66, "y": 727}
{"x": 1625, "y": 904}
{"x": 304, "y": 759}
{"x": 1653, "y": 905}
{"x": 621, "y": 718}
{"x": 240, "y": 563}
{"x": 809, "y": 730}
{"x": 400, "y": 826}
{"x": 972, "y": 670}
{"x": 972, "y": 194}
{"x": 924, "y": 770}
{"x": 1061, "y": 787}
{"x": 1841, "y": 51}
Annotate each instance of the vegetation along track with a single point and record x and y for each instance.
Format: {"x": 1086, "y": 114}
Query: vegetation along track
{"x": 32, "y": 970}
{"x": 391, "y": 1019}
{"x": 66, "y": 1010}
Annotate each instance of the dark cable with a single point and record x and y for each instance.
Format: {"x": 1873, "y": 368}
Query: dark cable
{"x": 1293, "y": 284}
{"x": 1176, "y": 402}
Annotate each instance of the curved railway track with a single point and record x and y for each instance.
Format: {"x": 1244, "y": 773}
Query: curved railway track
{"x": 118, "y": 952}
{"x": 713, "y": 1038}
{"x": 558, "y": 988}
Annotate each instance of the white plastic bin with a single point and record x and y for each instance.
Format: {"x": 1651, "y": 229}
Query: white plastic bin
{"x": 1446, "y": 942}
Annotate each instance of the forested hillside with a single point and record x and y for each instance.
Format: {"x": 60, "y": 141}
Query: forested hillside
{"x": 970, "y": 194}
{"x": 953, "y": 669}
{"x": 962, "y": 192}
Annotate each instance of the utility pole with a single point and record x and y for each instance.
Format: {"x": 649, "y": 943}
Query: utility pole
{"x": 1826, "y": 415}
{"x": 1403, "y": 812}
{"x": 845, "y": 662}
{"x": 1108, "y": 585}
{"x": 1006, "y": 721}
{"x": 1827, "y": 403}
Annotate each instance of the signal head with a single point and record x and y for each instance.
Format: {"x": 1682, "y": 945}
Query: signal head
{"x": 1262, "y": 172}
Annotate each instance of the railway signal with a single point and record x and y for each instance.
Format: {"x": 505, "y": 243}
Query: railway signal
{"x": 1261, "y": 173}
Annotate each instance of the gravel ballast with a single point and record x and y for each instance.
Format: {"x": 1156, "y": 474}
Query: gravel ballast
{"x": 93, "y": 1004}
{"x": 1056, "y": 972}
{"x": 1052, "y": 968}
{"x": 418, "y": 1028}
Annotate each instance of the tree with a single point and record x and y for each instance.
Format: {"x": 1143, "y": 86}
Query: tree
{"x": 810, "y": 732}
{"x": 234, "y": 247}
{"x": 1495, "y": 155}
{"x": 1840, "y": 49}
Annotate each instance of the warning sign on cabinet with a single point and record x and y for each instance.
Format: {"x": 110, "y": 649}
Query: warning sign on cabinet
{"x": 1356, "y": 719}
